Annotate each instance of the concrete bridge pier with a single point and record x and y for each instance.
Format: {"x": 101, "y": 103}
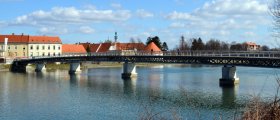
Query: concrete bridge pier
{"x": 129, "y": 70}
{"x": 40, "y": 67}
{"x": 229, "y": 77}
{"x": 75, "y": 67}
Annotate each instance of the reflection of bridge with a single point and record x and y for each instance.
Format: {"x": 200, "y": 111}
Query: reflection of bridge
{"x": 229, "y": 60}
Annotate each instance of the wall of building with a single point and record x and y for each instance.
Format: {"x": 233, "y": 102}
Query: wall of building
{"x": 44, "y": 50}
{"x": 15, "y": 50}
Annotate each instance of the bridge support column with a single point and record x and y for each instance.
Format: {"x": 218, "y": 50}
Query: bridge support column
{"x": 129, "y": 70}
{"x": 40, "y": 67}
{"x": 74, "y": 68}
{"x": 229, "y": 77}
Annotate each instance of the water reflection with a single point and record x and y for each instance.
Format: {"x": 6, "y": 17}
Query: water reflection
{"x": 101, "y": 93}
{"x": 229, "y": 96}
{"x": 129, "y": 86}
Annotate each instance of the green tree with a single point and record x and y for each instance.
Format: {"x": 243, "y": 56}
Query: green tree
{"x": 156, "y": 40}
{"x": 213, "y": 44}
{"x": 183, "y": 45}
{"x": 164, "y": 47}
{"x": 194, "y": 44}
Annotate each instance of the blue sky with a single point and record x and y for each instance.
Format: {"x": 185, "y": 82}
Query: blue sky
{"x": 97, "y": 20}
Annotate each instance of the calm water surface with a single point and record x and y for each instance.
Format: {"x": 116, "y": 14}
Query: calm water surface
{"x": 100, "y": 93}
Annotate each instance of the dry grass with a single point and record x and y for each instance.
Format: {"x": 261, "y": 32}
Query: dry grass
{"x": 259, "y": 110}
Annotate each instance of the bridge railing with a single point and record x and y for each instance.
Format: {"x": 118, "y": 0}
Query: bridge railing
{"x": 247, "y": 54}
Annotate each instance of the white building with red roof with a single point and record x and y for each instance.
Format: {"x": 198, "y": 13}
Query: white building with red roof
{"x": 251, "y": 46}
{"x": 27, "y": 46}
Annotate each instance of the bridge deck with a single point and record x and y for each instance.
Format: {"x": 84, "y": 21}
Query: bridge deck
{"x": 270, "y": 59}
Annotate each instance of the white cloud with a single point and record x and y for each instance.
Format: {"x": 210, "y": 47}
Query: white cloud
{"x": 223, "y": 18}
{"x": 71, "y": 15}
{"x": 86, "y": 30}
{"x": 177, "y": 25}
{"x": 116, "y": 5}
{"x": 52, "y": 31}
{"x": 3, "y": 23}
{"x": 144, "y": 14}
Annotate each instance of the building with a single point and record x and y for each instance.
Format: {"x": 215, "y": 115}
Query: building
{"x": 20, "y": 46}
{"x": 251, "y": 46}
{"x": 73, "y": 49}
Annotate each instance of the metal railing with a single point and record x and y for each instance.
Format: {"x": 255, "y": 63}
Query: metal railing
{"x": 244, "y": 54}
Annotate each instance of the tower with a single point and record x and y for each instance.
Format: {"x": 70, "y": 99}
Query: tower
{"x": 116, "y": 37}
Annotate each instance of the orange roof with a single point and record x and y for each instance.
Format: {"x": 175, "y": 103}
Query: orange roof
{"x": 29, "y": 39}
{"x": 73, "y": 48}
{"x": 104, "y": 47}
{"x": 93, "y": 47}
{"x": 251, "y": 43}
{"x": 130, "y": 46}
{"x": 44, "y": 39}
{"x": 152, "y": 46}
{"x": 14, "y": 38}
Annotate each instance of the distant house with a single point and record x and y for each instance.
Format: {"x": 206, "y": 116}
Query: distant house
{"x": 113, "y": 47}
{"x": 122, "y": 48}
{"x": 73, "y": 49}
{"x": 251, "y": 46}
{"x": 27, "y": 46}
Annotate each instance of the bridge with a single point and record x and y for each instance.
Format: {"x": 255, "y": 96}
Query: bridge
{"x": 228, "y": 59}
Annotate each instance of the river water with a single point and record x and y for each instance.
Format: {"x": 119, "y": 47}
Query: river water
{"x": 168, "y": 91}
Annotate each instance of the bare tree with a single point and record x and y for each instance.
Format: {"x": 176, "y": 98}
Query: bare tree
{"x": 275, "y": 12}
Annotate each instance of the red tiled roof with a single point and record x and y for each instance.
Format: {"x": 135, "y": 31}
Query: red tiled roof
{"x": 251, "y": 43}
{"x": 152, "y": 46}
{"x": 14, "y": 38}
{"x": 93, "y": 47}
{"x": 44, "y": 39}
{"x": 72, "y": 48}
{"x": 104, "y": 47}
{"x": 29, "y": 39}
{"x": 86, "y": 45}
{"x": 130, "y": 46}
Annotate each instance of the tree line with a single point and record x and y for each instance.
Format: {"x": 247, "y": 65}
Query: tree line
{"x": 212, "y": 44}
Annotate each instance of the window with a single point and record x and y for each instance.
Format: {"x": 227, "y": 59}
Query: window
{"x": 49, "y": 47}
{"x": 49, "y": 54}
{"x": 23, "y": 53}
{"x": 43, "y": 54}
{"x": 58, "y": 47}
{"x": 24, "y": 48}
{"x": 15, "y": 47}
{"x": 31, "y": 54}
{"x": 43, "y": 47}
{"x": 53, "y": 47}
{"x": 31, "y": 47}
{"x": 58, "y": 54}
{"x": 37, "y": 47}
{"x": 53, "y": 54}
{"x": 9, "y": 47}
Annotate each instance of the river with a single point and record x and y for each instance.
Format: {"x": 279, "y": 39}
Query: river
{"x": 168, "y": 91}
